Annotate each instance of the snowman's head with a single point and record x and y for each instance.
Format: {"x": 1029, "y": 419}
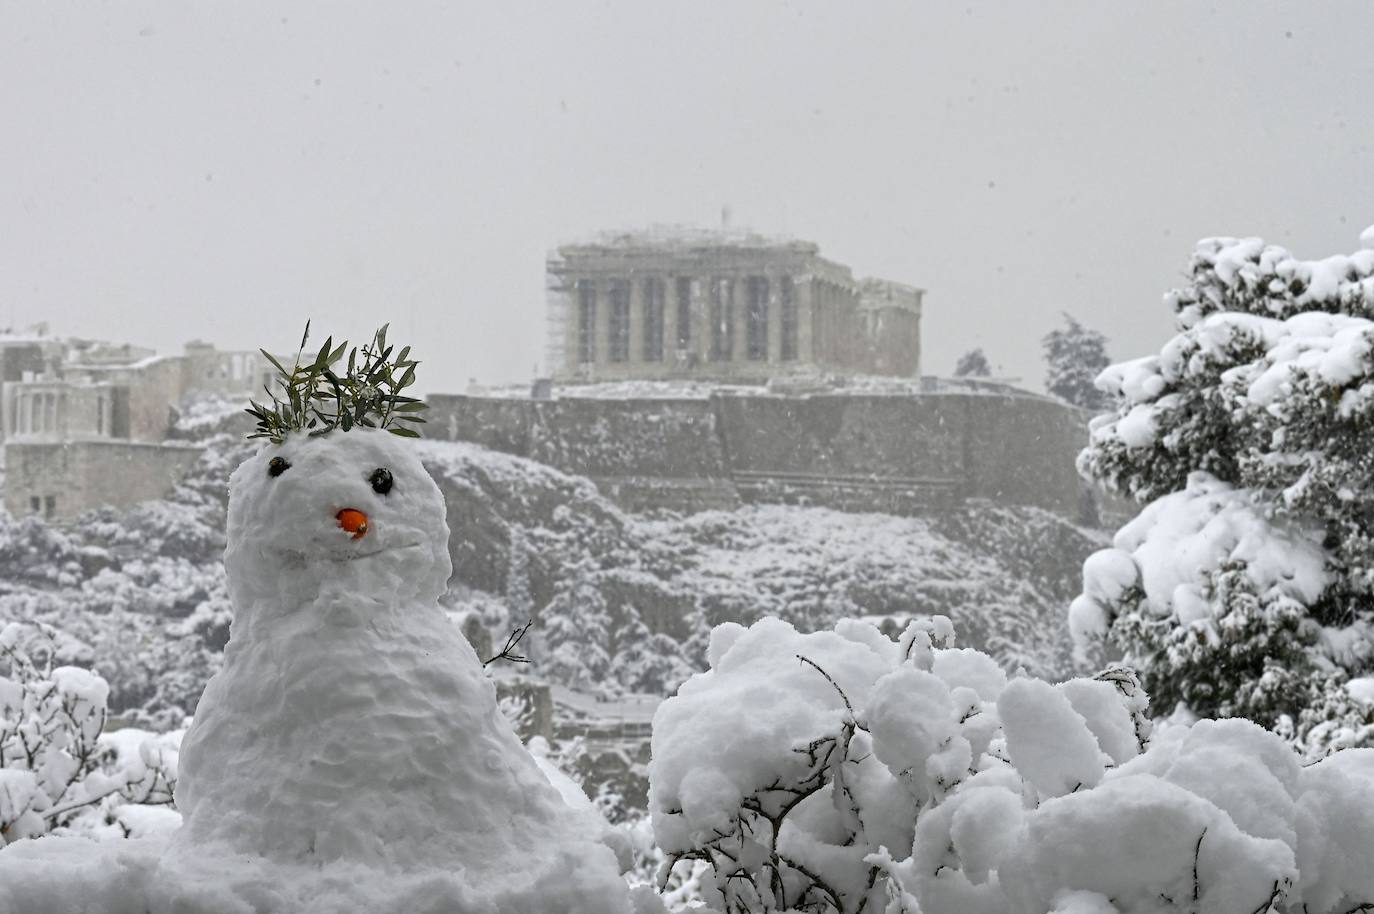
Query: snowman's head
{"x": 348, "y": 511}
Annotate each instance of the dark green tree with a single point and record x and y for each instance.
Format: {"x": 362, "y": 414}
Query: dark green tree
{"x": 1074, "y": 357}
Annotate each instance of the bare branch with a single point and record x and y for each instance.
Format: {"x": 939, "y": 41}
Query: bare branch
{"x": 508, "y": 652}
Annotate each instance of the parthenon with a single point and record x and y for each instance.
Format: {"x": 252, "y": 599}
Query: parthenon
{"x": 721, "y": 305}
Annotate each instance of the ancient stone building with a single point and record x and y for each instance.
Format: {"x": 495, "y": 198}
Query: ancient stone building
{"x": 721, "y": 306}
{"x": 85, "y": 423}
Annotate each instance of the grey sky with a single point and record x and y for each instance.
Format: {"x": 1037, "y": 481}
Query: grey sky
{"x": 223, "y": 171}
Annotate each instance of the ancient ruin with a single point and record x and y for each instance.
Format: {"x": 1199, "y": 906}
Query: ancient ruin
{"x": 721, "y": 305}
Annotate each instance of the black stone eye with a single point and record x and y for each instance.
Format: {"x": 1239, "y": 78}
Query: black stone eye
{"x": 277, "y": 466}
{"x": 381, "y": 480}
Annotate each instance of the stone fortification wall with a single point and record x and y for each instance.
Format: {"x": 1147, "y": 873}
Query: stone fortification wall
{"x": 1021, "y": 451}
{"x": 493, "y": 422}
{"x": 673, "y": 439}
{"x": 898, "y": 454}
{"x": 642, "y": 453}
{"x": 60, "y": 480}
{"x": 901, "y": 454}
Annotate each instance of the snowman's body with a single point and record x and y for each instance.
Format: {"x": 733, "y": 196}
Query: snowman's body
{"x": 351, "y": 743}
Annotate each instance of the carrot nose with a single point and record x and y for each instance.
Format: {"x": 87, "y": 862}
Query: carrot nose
{"x": 353, "y": 521}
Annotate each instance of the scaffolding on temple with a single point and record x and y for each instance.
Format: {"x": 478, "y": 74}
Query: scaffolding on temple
{"x": 558, "y": 306}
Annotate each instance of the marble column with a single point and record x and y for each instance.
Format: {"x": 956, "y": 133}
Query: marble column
{"x": 701, "y": 319}
{"x": 603, "y": 322}
{"x": 775, "y": 299}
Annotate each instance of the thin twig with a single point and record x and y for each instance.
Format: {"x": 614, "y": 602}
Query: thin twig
{"x": 1197, "y": 852}
{"x": 508, "y": 652}
{"x": 831, "y": 680}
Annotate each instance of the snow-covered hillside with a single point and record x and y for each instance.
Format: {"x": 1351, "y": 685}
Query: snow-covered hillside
{"x": 626, "y": 601}
{"x": 532, "y": 535}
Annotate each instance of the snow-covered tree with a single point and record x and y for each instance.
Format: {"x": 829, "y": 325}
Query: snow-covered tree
{"x": 973, "y": 364}
{"x": 57, "y": 773}
{"x": 1074, "y": 357}
{"x": 519, "y": 600}
{"x": 841, "y": 772}
{"x": 574, "y": 630}
{"x": 643, "y": 661}
{"x": 1246, "y": 586}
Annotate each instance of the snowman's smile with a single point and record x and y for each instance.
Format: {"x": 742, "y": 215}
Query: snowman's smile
{"x": 299, "y": 558}
{"x": 354, "y": 556}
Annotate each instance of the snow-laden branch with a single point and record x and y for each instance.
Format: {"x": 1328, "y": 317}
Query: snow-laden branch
{"x": 914, "y": 776}
{"x": 57, "y": 769}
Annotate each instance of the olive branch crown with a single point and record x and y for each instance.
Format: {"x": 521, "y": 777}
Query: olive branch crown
{"x": 318, "y": 398}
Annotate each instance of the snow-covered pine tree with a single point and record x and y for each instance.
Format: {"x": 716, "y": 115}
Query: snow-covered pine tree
{"x": 1074, "y": 357}
{"x": 645, "y": 662}
{"x": 973, "y": 364}
{"x": 574, "y": 630}
{"x": 519, "y": 600}
{"x": 1246, "y": 585}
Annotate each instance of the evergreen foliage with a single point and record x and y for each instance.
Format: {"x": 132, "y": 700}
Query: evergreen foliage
{"x": 973, "y": 364}
{"x": 1074, "y": 356}
{"x": 1268, "y": 389}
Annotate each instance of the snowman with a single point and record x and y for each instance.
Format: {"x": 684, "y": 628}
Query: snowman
{"x": 350, "y": 751}
{"x": 349, "y": 755}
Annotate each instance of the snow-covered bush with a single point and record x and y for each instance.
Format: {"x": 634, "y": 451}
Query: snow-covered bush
{"x": 58, "y": 773}
{"x": 682, "y": 889}
{"x": 1247, "y": 584}
{"x": 843, "y": 771}
{"x": 33, "y": 553}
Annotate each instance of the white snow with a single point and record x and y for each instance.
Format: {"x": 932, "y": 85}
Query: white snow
{"x": 1054, "y": 805}
{"x": 1177, "y": 539}
{"x": 1361, "y": 689}
{"x": 1047, "y": 740}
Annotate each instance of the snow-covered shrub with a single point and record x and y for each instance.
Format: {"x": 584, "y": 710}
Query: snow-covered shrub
{"x": 57, "y": 772}
{"x": 1247, "y": 584}
{"x": 31, "y": 552}
{"x": 843, "y": 771}
{"x": 679, "y": 887}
